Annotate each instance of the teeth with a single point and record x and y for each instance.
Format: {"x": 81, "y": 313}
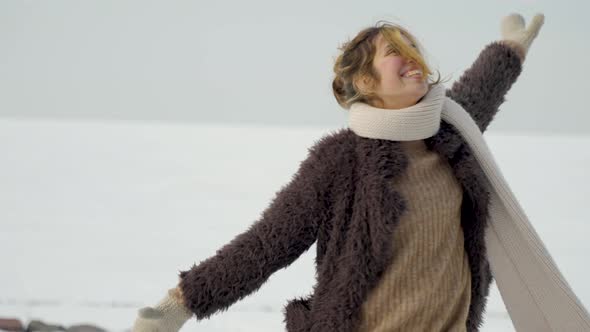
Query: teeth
{"x": 412, "y": 73}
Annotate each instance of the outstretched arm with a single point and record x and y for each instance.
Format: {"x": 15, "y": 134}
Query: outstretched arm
{"x": 482, "y": 88}
{"x": 286, "y": 229}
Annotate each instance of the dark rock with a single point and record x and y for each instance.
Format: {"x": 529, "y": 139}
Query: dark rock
{"x": 85, "y": 328}
{"x": 11, "y": 324}
{"x": 37, "y": 325}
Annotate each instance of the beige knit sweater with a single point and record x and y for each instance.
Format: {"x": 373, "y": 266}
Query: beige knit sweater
{"x": 427, "y": 285}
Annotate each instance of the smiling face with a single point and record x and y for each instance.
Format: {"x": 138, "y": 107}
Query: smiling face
{"x": 394, "y": 90}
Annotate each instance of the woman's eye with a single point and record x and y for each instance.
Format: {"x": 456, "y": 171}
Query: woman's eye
{"x": 389, "y": 51}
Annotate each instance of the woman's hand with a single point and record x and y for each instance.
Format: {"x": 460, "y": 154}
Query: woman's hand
{"x": 168, "y": 315}
{"x": 514, "y": 32}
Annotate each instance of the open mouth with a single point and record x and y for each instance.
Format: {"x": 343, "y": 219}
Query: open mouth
{"x": 416, "y": 73}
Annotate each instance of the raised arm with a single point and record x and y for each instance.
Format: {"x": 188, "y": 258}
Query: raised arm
{"x": 286, "y": 229}
{"x": 482, "y": 88}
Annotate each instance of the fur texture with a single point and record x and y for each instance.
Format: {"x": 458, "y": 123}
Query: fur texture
{"x": 340, "y": 197}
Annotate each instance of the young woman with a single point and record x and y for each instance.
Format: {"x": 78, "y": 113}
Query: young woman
{"x": 396, "y": 202}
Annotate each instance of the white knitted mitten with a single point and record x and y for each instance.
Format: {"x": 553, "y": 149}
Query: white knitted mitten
{"x": 168, "y": 315}
{"x": 513, "y": 29}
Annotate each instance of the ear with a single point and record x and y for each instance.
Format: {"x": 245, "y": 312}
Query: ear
{"x": 364, "y": 83}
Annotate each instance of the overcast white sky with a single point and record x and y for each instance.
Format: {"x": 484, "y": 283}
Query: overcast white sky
{"x": 265, "y": 61}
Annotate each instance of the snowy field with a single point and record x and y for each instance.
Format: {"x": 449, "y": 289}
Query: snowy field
{"x": 97, "y": 218}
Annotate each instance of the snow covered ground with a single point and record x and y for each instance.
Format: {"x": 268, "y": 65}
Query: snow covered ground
{"x": 97, "y": 218}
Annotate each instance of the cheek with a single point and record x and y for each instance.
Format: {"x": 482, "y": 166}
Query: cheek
{"x": 391, "y": 68}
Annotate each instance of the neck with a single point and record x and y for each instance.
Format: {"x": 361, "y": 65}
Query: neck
{"x": 395, "y": 104}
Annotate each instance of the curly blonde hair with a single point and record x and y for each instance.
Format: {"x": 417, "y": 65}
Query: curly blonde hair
{"x": 355, "y": 62}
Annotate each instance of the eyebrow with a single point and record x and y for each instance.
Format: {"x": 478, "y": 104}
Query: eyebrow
{"x": 388, "y": 46}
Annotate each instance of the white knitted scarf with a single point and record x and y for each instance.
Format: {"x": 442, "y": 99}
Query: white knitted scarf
{"x": 535, "y": 293}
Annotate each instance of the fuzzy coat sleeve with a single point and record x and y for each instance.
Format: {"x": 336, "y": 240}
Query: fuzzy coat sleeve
{"x": 286, "y": 229}
{"x": 482, "y": 87}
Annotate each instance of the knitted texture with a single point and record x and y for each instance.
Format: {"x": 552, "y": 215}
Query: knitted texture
{"x": 535, "y": 292}
{"x": 410, "y": 123}
{"x": 427, "y": 284}
{"x": 168, "y": 315}
{"x": 513, "y": 30}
